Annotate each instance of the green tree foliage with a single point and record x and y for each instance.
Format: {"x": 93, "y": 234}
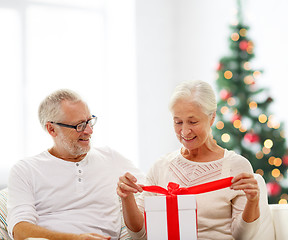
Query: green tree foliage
{"x": 244, "y": 123}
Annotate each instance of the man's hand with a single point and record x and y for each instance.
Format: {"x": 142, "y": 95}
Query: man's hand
{"x": 24, "y": 230}
{"x": 93, "y": 236}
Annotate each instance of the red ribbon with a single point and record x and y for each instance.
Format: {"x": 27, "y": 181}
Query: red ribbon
{"x": 171, "y": 193}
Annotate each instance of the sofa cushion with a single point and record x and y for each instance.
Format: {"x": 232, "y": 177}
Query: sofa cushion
{"x": 3, "y": 214}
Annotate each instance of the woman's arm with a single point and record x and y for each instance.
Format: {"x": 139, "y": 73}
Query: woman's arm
{"x": 133, "y": 217}
{"x": 247, "y": 183}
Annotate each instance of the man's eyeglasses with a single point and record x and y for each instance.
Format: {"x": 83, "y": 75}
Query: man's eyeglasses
{"x": 80, "y": 127}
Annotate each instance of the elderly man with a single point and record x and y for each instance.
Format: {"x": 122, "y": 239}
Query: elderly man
{"x": 69, "y": 190}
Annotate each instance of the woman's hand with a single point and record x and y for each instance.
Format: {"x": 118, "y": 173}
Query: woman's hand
{"x": 247, "y": 183}
{"x": 127, "y": 185}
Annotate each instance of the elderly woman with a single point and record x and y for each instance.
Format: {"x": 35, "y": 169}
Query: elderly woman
{"x": 224, "y": 214}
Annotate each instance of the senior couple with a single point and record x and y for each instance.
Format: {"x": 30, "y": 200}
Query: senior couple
{"x": 68, "y": 191}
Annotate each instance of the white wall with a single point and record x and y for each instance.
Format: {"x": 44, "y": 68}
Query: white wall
{"x": 155, "y": 45}
{"x": 84, "y": 45}
{"x": 168, "y": 41}
{"x": 184, "y": 39}
{"x": 269, "y": 31}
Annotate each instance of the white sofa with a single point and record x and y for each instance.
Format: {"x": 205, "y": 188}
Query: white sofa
{"x": 280, "y": 220}
{"x": 275, "y": 218}
{"x": 275, "y": 223}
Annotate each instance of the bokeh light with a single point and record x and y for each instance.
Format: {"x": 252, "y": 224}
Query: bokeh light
{"x": 219, "y": 125}
{"x": 224, "y": 110}
{"x": 276, "y": 172}
{"x": 242, "y": 32}
{"x": 235, "y": 36}
{"x": 225, "y": 137}
{"x": 228, "y": 74}
{"x": 259, "y": 155}
{"x": 237, "y": 123}
{"x": 248, "y": 80}
{"x": 268, "y": 143}
{"x": 253, "y": 105}
{"x": 262, "y": 118}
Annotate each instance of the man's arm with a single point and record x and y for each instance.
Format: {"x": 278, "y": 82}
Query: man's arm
{"x": 23, "y": 230}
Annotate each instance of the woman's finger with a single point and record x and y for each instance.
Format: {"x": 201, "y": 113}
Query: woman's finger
{"x": 242, "y": 176}
{"x": 128, "y": 182}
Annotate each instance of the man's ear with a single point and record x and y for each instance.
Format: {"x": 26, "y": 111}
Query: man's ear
{"x": 51, "y": 129}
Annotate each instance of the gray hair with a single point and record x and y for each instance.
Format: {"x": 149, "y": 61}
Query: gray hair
{"x": 199, "y": 92}
{"x": 50, "y": 108}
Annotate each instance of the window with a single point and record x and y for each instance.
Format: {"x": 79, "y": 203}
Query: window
{"x": 84, "y": 45}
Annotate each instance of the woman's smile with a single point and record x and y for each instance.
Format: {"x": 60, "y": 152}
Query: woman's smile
{"x": 188, "y": 138}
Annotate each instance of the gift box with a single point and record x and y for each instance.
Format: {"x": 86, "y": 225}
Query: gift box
{"x": 174, "y": 215}
{"x": 157, "y": 222}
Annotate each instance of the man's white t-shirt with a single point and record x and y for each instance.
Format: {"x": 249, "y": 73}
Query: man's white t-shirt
{"x": 67, "y": 196}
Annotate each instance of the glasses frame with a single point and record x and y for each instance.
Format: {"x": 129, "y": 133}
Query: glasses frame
{"x": 76, "y": 126}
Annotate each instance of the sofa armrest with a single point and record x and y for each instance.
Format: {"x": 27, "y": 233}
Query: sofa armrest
{"x": 3, "y": 214}
{"x": 280, "y": 217}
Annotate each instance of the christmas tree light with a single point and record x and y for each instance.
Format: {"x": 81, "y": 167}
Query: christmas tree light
{"x": 243, "y": 122}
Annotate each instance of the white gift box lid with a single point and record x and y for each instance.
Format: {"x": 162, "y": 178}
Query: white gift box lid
{"x": 155, "y": 203}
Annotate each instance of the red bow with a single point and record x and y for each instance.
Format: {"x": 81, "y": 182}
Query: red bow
{"x": 174, "y": 189}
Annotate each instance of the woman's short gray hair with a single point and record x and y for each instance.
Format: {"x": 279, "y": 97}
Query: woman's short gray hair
{"x": 199, "y": 92}
{"x": 50, "y": 108}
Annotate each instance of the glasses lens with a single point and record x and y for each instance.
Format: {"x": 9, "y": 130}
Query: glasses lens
{"x": 81, "y": 127}
{"x": 92, "y": 121}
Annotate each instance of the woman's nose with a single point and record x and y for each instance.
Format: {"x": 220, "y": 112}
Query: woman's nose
{"x": 186, "y": 130}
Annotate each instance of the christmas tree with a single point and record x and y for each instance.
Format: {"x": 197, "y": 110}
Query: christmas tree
{"x": 243, "y": 122}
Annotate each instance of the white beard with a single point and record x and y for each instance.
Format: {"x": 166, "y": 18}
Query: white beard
{"x": 72, "y": 146}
